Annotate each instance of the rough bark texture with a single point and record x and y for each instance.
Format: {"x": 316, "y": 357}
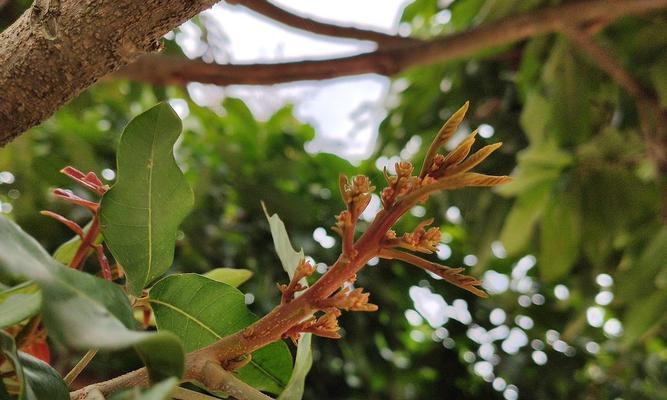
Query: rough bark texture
{"x": 38, "y": 73}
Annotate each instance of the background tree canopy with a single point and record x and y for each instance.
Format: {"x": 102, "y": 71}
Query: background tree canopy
{"x": 573, "y": 252}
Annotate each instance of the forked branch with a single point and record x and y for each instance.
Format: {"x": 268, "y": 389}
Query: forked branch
{"x": 317, "y": 308}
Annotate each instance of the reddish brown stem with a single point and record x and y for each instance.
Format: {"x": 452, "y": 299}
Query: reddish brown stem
{"x": 85, "y": 247}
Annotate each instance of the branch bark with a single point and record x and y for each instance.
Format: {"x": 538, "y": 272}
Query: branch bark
{"x": 285, "y": 17}
{"x": 50, "y": 54}
{"x": 162, "y": 70}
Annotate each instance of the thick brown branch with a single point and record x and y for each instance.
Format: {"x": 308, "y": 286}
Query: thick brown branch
{"x": 177, "y": 71}
{"x": 49, "y": 57}
{"x": 285, "y": 17}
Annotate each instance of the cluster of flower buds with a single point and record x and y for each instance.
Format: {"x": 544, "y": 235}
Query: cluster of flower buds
{"x": 303, "y": 270}
{"x": 420, "y": 239}
{"x": 88, "y": 239}
{"x": 400, "y": 184}
{"x": 325, "y": 326}
{"x": 404, "y": 190}
{"x": 348, "y": 300}
{"x": 356, "y": 194}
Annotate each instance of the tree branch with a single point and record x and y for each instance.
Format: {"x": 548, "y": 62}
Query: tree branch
{"x": 49, "y": 56}
{"x": 285, "y": 17}
{"x": 163, "y": 70}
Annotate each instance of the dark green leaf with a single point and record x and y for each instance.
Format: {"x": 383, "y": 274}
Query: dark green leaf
{"x": 36, "y": 379}
{"x": 200, "y": 311}
{"x": 634, "y": 282}
{"x": 142, "y": 211}
{"x": 559, "y": 237}
{"x": 81, "y": 310}
{"x": 642, "y": 316}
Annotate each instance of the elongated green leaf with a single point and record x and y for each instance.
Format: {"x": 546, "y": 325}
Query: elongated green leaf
{"x": 304, "y": 354}
{"x": 36, "y": 379}
{"x": 535, "y": 116}
{"x": 642, "y": 316}
{"x": 560, "y": 235}
{"x": 232, "y": 276}
{"x": 200, "y": 311}
{"x": 518, "y": 228}
{"x": 18, "y": 303}
{"x": 633, "y": 283}
{"x": 81, "y": 310}
{"x": 142, "y": 211}
{"x": 161, "y": 391}
{"x": 289, "y": 258}
{"x": 302, "y": 364}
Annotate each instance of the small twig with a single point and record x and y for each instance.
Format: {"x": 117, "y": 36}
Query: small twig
{"x": 79, "y": 367}
{"x": 217, "y": 378}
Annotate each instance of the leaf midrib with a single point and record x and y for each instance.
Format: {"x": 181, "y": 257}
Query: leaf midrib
{"x": 150, "y": 205}
{"x": 208, "y": 329}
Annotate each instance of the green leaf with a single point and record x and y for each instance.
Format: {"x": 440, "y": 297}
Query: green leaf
{"x": 289, "y": 258}
{"x": 36, "y": 379}
{"x": 537, "y": 164}
{"x": 518, "y": 228}
{"x": 560, "y": 235}
{"x": 18, "y": 303}
{"x": 140, "y": 214}
{"x": 160, "y": 391}
{"x": 302, "y": 363}
{"x": 535, "y": 116}
{"x": 633, "y": 283}
{"x": 304, "y": 354}
{"x": 83, "y": 311}
{"x": 659, "y": 80}
{"x": 231, "y": 276}
{"x": 642, "y": 316}
{"x": 570, "y": 88}
{"x": 201, "y": 311}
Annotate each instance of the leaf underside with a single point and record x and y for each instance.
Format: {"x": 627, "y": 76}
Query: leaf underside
{"x": 201, "y": 311}
{"x": 140, "y": 214}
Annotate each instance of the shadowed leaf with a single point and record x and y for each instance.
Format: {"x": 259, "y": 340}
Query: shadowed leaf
{"x": 102, "y": 317}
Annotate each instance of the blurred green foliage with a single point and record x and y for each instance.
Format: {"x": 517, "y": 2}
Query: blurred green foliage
{"x": 575, "y": 247}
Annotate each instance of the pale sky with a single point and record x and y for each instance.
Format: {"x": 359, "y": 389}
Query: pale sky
{"x": 346, "y": 112}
